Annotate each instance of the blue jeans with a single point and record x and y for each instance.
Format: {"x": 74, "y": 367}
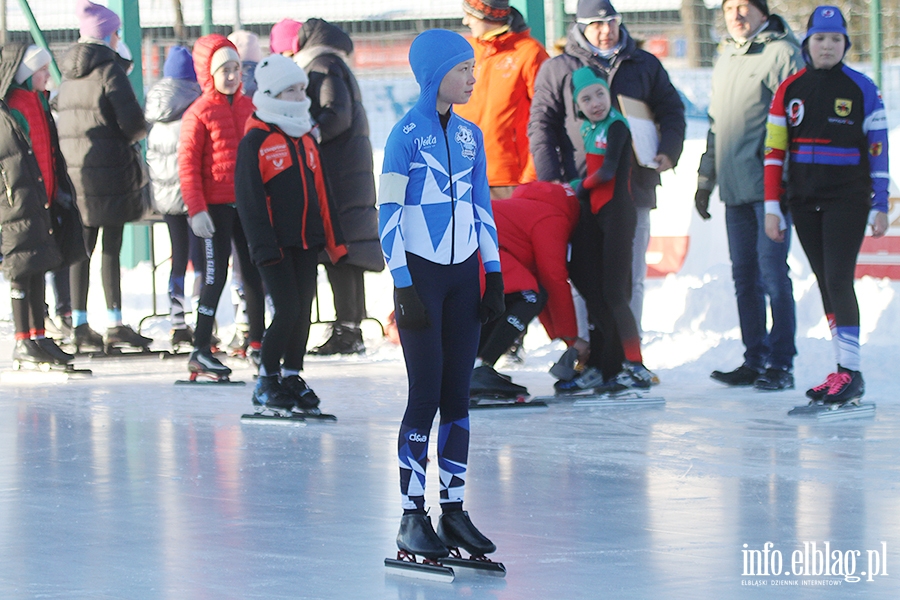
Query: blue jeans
{"x": 759, "y": 269}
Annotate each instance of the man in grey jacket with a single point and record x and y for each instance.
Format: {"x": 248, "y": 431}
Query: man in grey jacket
{"x": 760, "y": 53}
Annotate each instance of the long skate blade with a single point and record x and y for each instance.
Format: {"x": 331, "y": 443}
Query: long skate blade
{"x": 825, "y": 412}
{"x": 482, "y": 567}
{"x": 205, "y": 381}
{"x": 478, "y": 402}
{"x": 293, "y": 420}
{"x": 320, "y": 417}
{"x": 419, "y": 570}
{"x": 624, "y": 399}
{"x": 33, "y": 376}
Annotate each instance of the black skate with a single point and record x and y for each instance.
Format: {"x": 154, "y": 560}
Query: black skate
{"x": 841, "y": 401}
{"x": 123, "y": 337}
{"x": 87, "y": 341}
{"x": 206, "y": 368}
{"x": 59, "y": 356}
{"x": 455, "y": 529}
{"x": 490, "y": 389}
{"x": 346, "y": 338}
{"x": 182, "y": 337}
{"x": 29, "y": 355}
{"x": 306, "y": 402}
{"x": 417, "y": 538}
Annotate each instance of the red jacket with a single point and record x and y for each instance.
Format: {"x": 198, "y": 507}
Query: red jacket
{"x": 506, "y": 66}
{"x": 29, "y": 104}
{"x": 211, "y": 130}
{"x": 534, "y": 227}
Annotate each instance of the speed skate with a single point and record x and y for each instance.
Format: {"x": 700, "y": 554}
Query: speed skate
{"x": 280, "y": 416}
{"x": 630, "y": 397}
{"x": 479, "y": 401}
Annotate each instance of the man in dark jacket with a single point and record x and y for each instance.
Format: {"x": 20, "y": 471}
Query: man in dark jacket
{"x": 346, "y": 154}
{"x": 100, "y": 121}
{"x": 599, "y": 39}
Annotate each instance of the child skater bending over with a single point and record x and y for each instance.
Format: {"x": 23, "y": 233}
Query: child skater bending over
{"x": 600, "y": 265}
{"x": 830, "y": 120}
{"x": 284, "y": 209}
{"x": 435, "y": 218}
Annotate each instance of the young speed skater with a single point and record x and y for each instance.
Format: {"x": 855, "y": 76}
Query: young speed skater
{"x": 286, "y": 213}
{"x": 435, "y": 219}
{"x": 600, "y": 265}
{"x": 830, "y": 121}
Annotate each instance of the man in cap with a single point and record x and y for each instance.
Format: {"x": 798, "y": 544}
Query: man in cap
{"x": 507, "y": 60}
{"x": 599, "y": 39}
{"x": 759, "y": 53}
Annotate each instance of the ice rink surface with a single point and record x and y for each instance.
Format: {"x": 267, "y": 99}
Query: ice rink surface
{"x": 126, "y": 486}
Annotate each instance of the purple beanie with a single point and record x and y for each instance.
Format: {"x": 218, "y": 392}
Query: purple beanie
{"x": 283, "y": 37}
{"x": 180, "y": 64}
{"x": 96, "y": 22}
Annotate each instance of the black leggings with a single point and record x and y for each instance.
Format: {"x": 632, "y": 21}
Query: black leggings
{"x": 251, "y": 283}
{"x": 349, "y": 292}
{"x": 498, "y": 335}
{"x": 292, "y": 285}
{"x": 27, "y": 296}
{"x": 831, "y": 235}
{"x": 600, "y": 269}
{"x": 110, "y": 270}
{"x": 217, "y": 251}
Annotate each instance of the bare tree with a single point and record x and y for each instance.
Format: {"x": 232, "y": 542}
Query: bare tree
{"x": 179, "y": 21}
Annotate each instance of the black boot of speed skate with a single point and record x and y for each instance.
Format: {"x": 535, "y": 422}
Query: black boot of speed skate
{"x": 847, "y": 386}
{"x": 28, "y": 354}
{"x": 123, "y": 335}
{"x": 305, "y": 400}
{"x": 49, "y": 347}
{"x": 455, "y": 529}
{"x": 87, "y": 340}
{"x": 417, "y": 537}
{"x": 202, "y": 363}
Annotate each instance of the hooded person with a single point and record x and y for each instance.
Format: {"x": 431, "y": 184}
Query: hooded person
{"x": 346, "y": 151}
{"x": 436, "y": 224}
{"x": 166, "y": 102}
{"x": 100, "y": 122}
{"x": 286, "y": 211}
{"x": 211, "y": 129}
{"x": 247, "y": 44}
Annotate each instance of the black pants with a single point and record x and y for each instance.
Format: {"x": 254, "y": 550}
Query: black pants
{"x": 831, "y": 235}
{"x": 292, "y": 285}
{"x": 600, "y": 269}
{"x": 217, "y": 251}
{"x": 27, "y": 296}
{"x": 349, "y": 292}
{"x": 62, "y": 290}
{"x": 110, "y": 270}
{"x": 251, "y": 284}
{"x": 185, "y": 245}
{"x": 498, "y": 335}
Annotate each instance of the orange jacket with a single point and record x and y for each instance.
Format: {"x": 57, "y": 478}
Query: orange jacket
{"x": 506, "y": 66}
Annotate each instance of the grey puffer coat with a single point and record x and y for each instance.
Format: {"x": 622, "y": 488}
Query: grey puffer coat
{"x": 100, "y": 121}
{"x": 345, "y": 149}
{"x": 166, "y": 102}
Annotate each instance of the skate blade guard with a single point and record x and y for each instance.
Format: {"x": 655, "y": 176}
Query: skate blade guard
{"x": 825, "y": 412}
{"x": 479, "y": 401}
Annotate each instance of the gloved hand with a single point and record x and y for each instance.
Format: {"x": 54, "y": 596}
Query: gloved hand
{"x": 202, "y": 225}
{"x": 701, "y": 201}
{"x": 410, "y": 312}
{"x": 582, "y": 193}
{"x": 492, "y": 303}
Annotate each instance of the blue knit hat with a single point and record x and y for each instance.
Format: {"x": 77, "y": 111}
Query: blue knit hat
{"x": 180, "y": 64}
{"x": 826, "y": 19}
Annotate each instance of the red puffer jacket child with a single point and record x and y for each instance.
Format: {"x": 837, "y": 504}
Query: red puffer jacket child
{"x": 211, "y": 130}
{"x": 534, "y": 227}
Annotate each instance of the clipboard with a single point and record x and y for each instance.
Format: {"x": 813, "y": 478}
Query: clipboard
{"x": 644, "y": 131}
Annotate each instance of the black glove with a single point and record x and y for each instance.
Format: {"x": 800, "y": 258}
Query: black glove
{"x": 701, "y": 201}
{"x": 582, "y": 193}
{"x": 492, "y": 303}
{"x": 409, "y": 312}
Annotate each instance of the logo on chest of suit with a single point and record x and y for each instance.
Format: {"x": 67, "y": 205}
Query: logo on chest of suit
{"x": 600, "y": 141}
{"x": 795, "y": 112}
{"x": 465, "y": 138}
{"x": 274, "y": 158}
{"x": 409, "y": 127}
{"x": 842, "y": 107}
{"x": 425, "y": 142}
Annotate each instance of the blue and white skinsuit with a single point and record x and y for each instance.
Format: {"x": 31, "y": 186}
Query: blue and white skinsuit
{"x": 434, "y": 218}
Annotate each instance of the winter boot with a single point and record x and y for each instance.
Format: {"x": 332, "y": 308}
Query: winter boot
{"x": 456, "y": 530}
{"x": 848, "y": 386}
{"x": 269, "y": 393}
{"x": 346, "y": 338}
{"x": 488, "y": 382}
{"x": 203, "y": 362}
{"x": 775, "y": 380}
{"x": 303, "y": 397}
{"x": 50, "y": 348}
{"x": 28, "y": 352}
{"x": 123, "y": 335}
{"x": 416, "y": 536}
{"x": 740, "y": 377}
{"x": 85, "y": 337}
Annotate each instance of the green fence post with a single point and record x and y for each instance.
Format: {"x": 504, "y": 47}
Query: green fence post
{"x": 533, "y": 11}
{"x": 135, "y": 237}
{"x": 875, "y": 47}
{"x": 38, "y": 37}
